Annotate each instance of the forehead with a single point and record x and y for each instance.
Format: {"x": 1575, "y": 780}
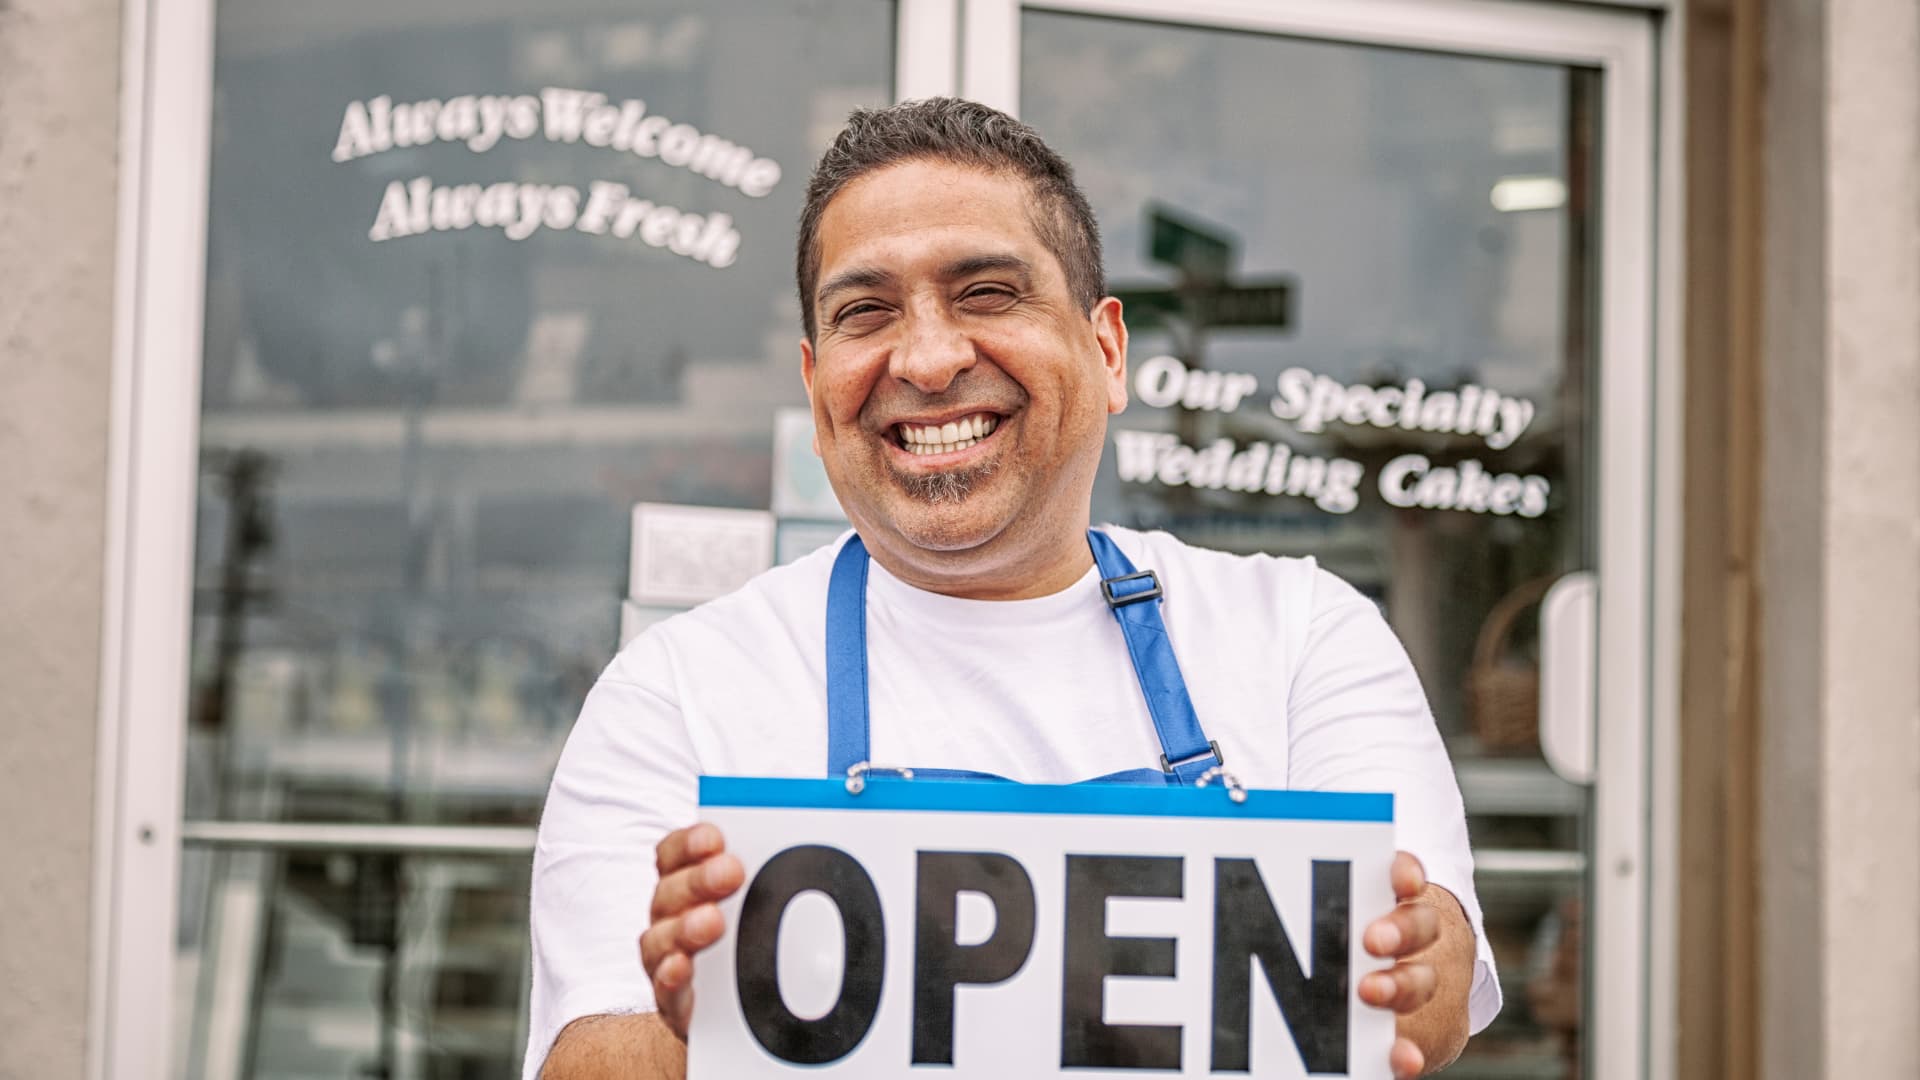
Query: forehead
{"x": 928, "y": 210}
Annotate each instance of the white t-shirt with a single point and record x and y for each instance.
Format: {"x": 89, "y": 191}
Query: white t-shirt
{"x": 1292, "y": 671}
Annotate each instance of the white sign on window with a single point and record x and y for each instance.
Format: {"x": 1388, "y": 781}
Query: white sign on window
{"x": 687, "y": 555}
{"x": 978, "y": 929}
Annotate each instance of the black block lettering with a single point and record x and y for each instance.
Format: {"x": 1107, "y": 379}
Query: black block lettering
{"x": 756, "y": 973}
{"x": 1086, "y": 1039}
{"x": 1245, "y": 928}
{"x": 939, "y": 962}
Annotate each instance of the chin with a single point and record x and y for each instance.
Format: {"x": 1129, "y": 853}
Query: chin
{"x": 946, "y": 532}
{"x": 956, "y": 525}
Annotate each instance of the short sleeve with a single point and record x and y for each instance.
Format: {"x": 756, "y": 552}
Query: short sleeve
{"x": 1360, "y": 722}
{"x": 627, "y": 777}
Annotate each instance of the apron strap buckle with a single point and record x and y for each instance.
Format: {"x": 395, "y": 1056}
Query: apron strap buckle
{"x": 1212, "y": 751}
{"x": 1117, "y": 598}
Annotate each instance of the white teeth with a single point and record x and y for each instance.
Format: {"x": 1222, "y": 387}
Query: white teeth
{"x": 948, "y": 437}
{"x": 939, "y": 447}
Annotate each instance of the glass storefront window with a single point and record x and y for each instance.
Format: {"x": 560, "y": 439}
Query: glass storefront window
{"x": 479, "y": 279}
{"x": 476, "y": 285}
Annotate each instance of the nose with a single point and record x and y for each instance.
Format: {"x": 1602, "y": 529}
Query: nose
{"x": 934, "y": 351}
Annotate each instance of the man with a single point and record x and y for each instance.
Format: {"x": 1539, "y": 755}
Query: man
{"x": 962, "y": 358}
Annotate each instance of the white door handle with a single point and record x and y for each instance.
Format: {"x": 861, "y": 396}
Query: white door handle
{"x": 1569, "y": 617}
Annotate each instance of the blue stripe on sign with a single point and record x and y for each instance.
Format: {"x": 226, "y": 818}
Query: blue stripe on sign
{"x": 1003, "y": 797}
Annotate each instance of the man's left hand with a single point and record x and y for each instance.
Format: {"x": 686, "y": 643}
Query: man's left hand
{"x": 1431, "y": 944}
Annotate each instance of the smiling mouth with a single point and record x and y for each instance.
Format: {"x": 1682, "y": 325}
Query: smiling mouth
{"x": 922, "y": 440}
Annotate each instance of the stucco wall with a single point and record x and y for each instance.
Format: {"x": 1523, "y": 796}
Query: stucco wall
{"x": 59, "y": 120}
{"x": 1840, "y": 701}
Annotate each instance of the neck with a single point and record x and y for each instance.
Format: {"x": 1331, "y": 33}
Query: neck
{"x": 982, "y": 574}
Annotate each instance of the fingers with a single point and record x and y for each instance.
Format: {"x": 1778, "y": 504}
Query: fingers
{"x": 673, "y": 992}
{"x": 714, "y": 878}
{"x": 1407, "y": 1060}
{"x": 683, "y": 847}
{"x": 666, "y": 951}
{"x": 1403, "y": 989}
{"x": 1404, "y": 931}
{"x": 681, "y": 935}
{"x": 695, "y": 871}
{"x": 1409, "y": 877}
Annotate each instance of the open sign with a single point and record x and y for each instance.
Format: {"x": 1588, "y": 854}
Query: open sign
{"x": 1008, "y": 930}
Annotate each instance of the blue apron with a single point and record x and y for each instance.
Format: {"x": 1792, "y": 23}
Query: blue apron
{"x": 1187, "y": 756}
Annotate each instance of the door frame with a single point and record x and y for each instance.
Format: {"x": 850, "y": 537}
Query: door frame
{"x": 166, "y": 120}
{"x": 1638, "y": 431}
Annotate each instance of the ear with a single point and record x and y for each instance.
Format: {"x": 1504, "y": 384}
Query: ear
{"x": 1110, "y": 332}
{"x": 806, "y": 377}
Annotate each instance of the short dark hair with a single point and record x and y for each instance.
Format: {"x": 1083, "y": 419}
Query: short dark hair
{"x": 964, "y": 133}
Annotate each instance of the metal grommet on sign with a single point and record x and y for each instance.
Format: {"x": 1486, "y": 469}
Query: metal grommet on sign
{"x": 1232, "y": 783}
{"x": 857, "y": 774}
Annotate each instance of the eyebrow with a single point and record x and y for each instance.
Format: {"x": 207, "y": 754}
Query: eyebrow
{"x": 871, "y": 277}
{"x": 860, "y": 277}
{"x": 980, "y": 264}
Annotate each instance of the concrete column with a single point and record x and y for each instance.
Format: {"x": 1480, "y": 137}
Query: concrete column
{"x": 59, "y": 122}
{"x": 1840, "y": 543}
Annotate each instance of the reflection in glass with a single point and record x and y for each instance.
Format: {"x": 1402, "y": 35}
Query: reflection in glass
{"x": 1358, "y": 286}
{"x": 355, "y": 964}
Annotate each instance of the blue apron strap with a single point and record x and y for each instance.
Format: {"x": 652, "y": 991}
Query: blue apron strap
{"x": 1134, "y": 597}
{"x": 847, "y": 659}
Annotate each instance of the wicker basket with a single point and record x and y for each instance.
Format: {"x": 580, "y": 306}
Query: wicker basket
{"x": 1503, "y": 692}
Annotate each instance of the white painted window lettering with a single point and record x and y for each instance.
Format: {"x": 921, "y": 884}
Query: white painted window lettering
{"x": 560, "y": 115}
{"x": 1155, "y": 457}
{"x": 1164, "y": 381}
{"x": 1412, "y": 480}
{"x": 1314, "y": 403}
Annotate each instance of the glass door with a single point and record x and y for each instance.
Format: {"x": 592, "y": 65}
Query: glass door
{"x": 479, "y": 278}
{"x": 1379, "y": 264}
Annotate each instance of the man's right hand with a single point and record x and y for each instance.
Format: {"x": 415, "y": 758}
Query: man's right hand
{"x": 695, "y": 874}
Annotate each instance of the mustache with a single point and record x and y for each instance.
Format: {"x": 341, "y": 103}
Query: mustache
{"x": 973, "y": 390}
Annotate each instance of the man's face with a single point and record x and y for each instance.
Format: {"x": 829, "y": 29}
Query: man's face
{"x": 959, "y": 394}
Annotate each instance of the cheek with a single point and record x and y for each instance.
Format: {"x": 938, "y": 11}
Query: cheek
{"x": 843, "y": 385}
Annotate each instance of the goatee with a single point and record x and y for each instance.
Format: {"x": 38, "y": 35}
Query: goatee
{"x": 951, "y": 486}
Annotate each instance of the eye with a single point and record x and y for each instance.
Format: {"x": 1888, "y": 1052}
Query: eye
{"x": 862, "y": 310}
{"x": 988, "y": 295}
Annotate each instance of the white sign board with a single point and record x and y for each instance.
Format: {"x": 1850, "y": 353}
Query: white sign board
{"x": 979, "y": 929}
{"x": 687, "y": 555}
